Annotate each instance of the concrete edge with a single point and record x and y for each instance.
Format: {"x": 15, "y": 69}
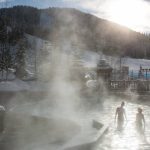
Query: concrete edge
{"x": 102, "y": 129}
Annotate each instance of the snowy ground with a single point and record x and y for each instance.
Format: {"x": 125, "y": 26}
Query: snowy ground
{"x": 19, "y": 85}
{"x": 91, "y": 58}
{"x": 86, "y": 58}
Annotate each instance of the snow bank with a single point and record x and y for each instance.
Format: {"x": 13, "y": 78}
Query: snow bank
{"x": 19, "y": 85}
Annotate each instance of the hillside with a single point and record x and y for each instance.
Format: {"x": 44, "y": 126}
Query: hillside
{"x": 70, "y": 27}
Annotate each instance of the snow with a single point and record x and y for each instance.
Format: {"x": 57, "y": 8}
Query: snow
{"x": 92, "y": 58}
{"x": 134, "y": 64}
{"x": 87, "y": 58}
{"x": 9, "y": 75}
{"x": 35, "y": 86}
{"x": 34, "y": 54}
{"x": 19, "y": 85}
{"x": 15, "y": 85}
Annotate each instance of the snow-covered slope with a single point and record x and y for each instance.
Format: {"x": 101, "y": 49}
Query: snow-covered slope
{"x": 91, "y": 58}
{"x": 87, "y": 58}
{"x": 135, "y": 64}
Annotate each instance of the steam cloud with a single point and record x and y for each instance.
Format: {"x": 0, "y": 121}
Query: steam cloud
{"x": 49, "y": 120}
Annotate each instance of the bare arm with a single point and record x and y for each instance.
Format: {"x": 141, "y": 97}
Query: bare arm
{"x": 116, "y": 114}
{"x": 143, "y": 118}
{"x": 125, "y": 115}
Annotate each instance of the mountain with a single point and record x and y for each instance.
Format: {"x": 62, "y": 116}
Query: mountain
{"x": 34, "y": 3}
{"x": 70, "y": 27}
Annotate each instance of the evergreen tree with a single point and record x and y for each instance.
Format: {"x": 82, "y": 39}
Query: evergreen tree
{"x": 7, "y": 60}
{"x": 20, "y": 57}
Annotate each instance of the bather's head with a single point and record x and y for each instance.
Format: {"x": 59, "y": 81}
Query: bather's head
{"x": 139, "y": 110}
{"x": 122, "y": 104}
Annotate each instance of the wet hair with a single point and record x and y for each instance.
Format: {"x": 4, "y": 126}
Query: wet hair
{"x": 140, "y": 110}
{"x": 122, "y": 103}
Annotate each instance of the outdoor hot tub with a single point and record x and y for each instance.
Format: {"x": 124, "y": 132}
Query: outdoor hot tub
{"x": 27, "y": 131}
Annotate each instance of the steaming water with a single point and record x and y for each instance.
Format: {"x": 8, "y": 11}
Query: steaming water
{"x": 128, "y": 139}
{"x": 39, "y": 125}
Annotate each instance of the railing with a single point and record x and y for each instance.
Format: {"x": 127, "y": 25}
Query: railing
{"x": 139, "y": 85}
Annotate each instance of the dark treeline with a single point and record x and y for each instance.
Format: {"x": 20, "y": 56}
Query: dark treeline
{"x": 80, "y": 29}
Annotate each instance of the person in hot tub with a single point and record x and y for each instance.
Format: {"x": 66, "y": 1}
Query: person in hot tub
{"x": 140, "y": 121}
{"x": 120, "y": 115}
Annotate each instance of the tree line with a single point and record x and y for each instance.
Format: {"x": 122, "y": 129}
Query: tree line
{"x": 78, "y": 28}
{"x": 59, "y": 25}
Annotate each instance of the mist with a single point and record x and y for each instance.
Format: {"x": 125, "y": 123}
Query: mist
{"x": 67, "y": 95}
{"x": 48, "y": 119}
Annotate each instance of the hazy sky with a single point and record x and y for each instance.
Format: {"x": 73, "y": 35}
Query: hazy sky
{"x": 134, "y": 14}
